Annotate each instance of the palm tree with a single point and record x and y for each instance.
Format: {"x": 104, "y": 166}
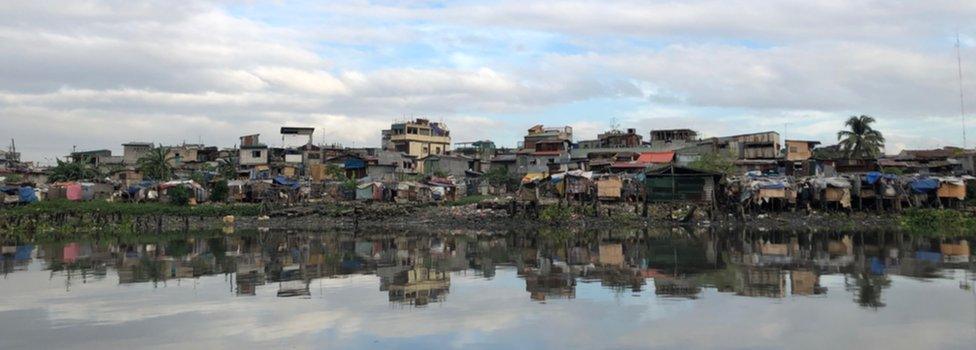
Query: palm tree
{"x": 155, "y": 165}
{"x": 72, "y": 171}
{"x": 861, "y": 138}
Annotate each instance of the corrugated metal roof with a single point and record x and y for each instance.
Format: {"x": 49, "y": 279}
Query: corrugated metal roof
{"x": 655, "y": 157}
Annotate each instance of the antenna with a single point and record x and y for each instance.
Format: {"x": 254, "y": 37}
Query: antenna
{"x": 962, "y": 104}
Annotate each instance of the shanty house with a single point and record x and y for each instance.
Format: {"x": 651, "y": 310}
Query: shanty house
{"x": 675, "y": 183}
{"x": 644, "y": 160}
{"x": 449, "y": 165}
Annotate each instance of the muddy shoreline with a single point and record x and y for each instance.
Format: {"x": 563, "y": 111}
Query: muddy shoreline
{"x": 474, "y": 217}
{"x": 471, "y": 218}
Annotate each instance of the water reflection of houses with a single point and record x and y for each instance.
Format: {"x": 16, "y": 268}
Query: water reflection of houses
{"x": 419, "y": 286}
{"x": 549, "y": 280}
{"x": 417, "y": 269}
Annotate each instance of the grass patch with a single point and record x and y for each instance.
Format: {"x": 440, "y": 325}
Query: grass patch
{"x": 936, "y": 222}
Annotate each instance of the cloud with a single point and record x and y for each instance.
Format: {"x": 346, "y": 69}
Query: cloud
{"x": 212, "y": 70}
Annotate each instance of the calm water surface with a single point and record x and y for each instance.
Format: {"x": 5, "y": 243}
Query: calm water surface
{"x": 597, "y": 290}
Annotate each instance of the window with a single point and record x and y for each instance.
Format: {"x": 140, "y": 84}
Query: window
{"x": 256, "y": 154}
{"x": 793, "y": 149}
{"x": 437, "y": 150}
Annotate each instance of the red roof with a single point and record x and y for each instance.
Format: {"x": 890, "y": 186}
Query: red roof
{"x": 655, "y": 157}
{"x": 646, "y": 159}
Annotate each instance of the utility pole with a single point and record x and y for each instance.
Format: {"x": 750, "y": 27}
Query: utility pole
{"x": 962, "y": 104}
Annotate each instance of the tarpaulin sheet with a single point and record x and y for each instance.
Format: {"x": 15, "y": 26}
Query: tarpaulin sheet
{"x": 284, "y": 181}
{"x": 929, "y": 256}
{"x": 877, "y": 266}
{"x": 364, "y": 192}
{"x": 438, "y": 192}
{"x": 556, "y": 178}
{"x": 924, "y": 185}
{"x": 533, "y": 177}
{"x": 87, "y": 191}
{"x": 770, "y": 185}
{"x": 354, "y": 163}
{"x": 23, "y": 252}
{"x": 873, "y": 176}
{"x": 836, "y": 182}
{"x": 27, "y": 195}
{"x": 72, "y": 191}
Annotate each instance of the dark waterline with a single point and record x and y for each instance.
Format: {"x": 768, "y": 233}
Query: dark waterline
{"x": 679, "y": 289}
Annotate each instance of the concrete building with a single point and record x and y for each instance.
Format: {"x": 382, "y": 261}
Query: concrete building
{"x": 545, "y": 150}
{"x": 760, "y": 145}
{"x": 614, "y": 139}
{"x": 673, "y": 139}
{"x": 95, "y": 157}
{"x": 177, "y": 156}
{"x": 252, "y": 152}
{"x": 450, "y": 165}
{"x": 482, "y": 152}
{"x": 132, "y": 151}
{"x": 419, "y": 138}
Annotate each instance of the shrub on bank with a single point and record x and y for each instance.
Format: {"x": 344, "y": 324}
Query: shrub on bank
{"x": 556, "y": 213}
{"x": 936, "y": 222}
{"x": 179, "y": 195}
{"x": 220, "y": 191}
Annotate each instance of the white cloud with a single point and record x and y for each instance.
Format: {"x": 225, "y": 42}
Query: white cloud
{"x": 218, "y": 69}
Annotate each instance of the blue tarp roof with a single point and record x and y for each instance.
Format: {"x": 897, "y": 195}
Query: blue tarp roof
{"x": 873, "y": 177}
{"x": 924, "y": 185}
{"x": 284, "y": 181}
{"x": 354, "y": 163}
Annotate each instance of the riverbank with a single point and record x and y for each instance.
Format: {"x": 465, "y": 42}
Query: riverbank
{"x": 65, "y": 219}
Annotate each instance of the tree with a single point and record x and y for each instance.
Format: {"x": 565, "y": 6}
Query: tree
{"x": 861, "y": 139}
{"x": 220, "y": 191}
{"x": 716, "y": 162}
{"x": 227, "y": 168}
{"x": 73, "y": 171}
{"x": 155, "y": 165}
{"x": 497, "y": 176}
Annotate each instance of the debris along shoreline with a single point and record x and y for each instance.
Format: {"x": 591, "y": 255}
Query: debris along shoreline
{"x": 485, "y": 215}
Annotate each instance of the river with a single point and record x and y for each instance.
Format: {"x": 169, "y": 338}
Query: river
{"x": 599, "y": 290}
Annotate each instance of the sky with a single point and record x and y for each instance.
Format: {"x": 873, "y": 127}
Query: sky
{"x": 94, "y": 74}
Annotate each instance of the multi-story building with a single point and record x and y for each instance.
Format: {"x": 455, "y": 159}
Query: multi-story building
{"x": 760, "y": 145}
{"x": 253, "y": 153}
{"x": 132, "y": 151}
{"x": 481, "y": 152}
{"x": 545, "y": 150}
{"x": 673, "y": 139}
{"x": 418, "y": 138}
{"x": 620, "y": 139}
